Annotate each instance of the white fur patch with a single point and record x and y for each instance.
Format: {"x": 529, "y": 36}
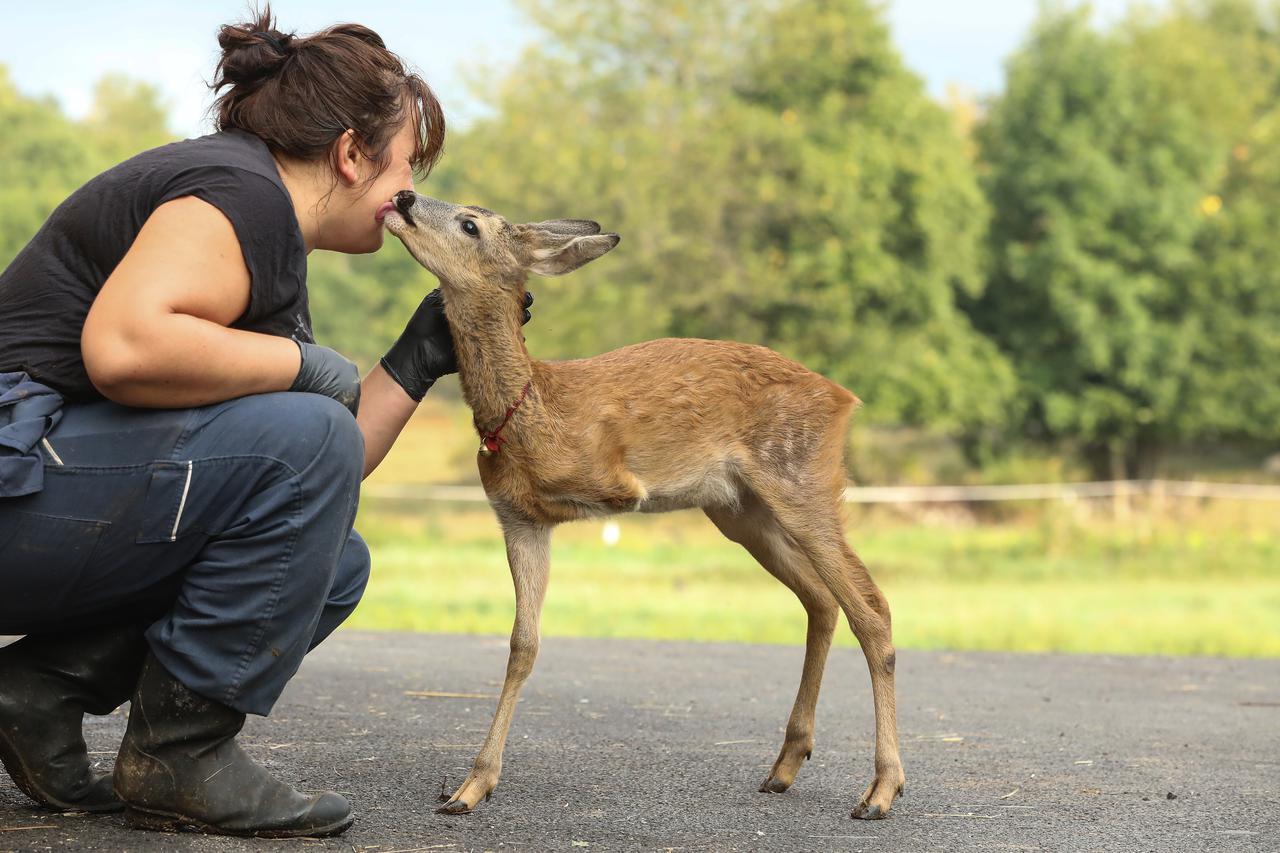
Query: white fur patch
{"x": 715, "y": 486}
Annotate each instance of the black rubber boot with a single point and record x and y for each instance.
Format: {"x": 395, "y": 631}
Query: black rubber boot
{"x": 181, "y": 768}
{"x": 47, "y": 683}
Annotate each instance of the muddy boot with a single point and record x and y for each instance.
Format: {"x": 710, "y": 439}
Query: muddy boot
{"x": 181, "y": 768}
{"x": 47, "y": 683}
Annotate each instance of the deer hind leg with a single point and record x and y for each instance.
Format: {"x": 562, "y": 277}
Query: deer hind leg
{"x": 528, "y": 552}
{"x": 758, "y": 531}
{"x": 817, "y": 531}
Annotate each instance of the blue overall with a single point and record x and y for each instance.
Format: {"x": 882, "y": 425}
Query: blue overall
{"x": 227, "y": 528}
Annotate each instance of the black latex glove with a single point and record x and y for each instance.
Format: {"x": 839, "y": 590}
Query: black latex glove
{"x": 424, "y": 351}
{"x": 325, "y": 371}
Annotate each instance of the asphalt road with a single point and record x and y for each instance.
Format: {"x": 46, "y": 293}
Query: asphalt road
{"x": 625, "y": 745}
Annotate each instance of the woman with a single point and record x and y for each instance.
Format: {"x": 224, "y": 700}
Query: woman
{"x": 179, "y": 460}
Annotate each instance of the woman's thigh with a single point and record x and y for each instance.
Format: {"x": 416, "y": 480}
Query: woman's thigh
{"x": 131, "y": 497}
{"x": 68, "y": 551}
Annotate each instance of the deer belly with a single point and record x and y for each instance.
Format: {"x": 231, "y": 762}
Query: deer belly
{"x": 716, "y": 487}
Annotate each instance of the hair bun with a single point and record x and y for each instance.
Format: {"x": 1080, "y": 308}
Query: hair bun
{"x": 279, "y": 42}
{"x": 251, "y": 52}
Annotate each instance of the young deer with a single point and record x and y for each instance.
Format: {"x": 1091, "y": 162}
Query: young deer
{"x": 753, "y": 440}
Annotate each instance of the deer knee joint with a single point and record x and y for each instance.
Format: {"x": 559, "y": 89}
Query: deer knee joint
{"x": 524, "y": 651}
{"x": 800, "y": 732}
{"x": 891, "y": 662}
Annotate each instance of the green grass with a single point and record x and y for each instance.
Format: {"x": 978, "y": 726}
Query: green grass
{"x": 1179, "y": 579}
{"x": 1200, "y": 582}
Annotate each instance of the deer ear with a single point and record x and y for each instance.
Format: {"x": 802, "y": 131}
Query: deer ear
{"x": 570, "y": 254}
{"x": 575, "y": 227}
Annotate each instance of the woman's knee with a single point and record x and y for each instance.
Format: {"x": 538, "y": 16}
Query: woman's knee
{"x": 353, "y": 571}
{"x": 320, "y": 425}
{"x": 347, "y": 588}
{"x": 308, "y": 432}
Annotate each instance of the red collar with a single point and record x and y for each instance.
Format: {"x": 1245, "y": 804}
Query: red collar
{"x": 491, "y": 442}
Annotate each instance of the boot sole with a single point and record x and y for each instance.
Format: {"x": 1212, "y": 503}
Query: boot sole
{"x": 17, "y": 771}
{"x": 169, "y": 822}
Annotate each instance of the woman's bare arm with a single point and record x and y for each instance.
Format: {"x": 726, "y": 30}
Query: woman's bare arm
{"x": 157, "y": 334}
{"x": 384, "y": 410}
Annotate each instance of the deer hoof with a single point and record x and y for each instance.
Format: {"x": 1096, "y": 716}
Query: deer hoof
{"x": 454, "y": 807}
{"x": 877, "y": 800}
{"x": 868, "y": 811}
{"x": 774, "y": 786}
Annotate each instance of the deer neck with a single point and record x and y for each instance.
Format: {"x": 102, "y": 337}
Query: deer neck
{"x": 493, "y": 364}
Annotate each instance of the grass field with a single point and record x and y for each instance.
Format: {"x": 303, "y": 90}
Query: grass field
{"x": 1191, "y": 579}
{"x": 1200, "y": 581}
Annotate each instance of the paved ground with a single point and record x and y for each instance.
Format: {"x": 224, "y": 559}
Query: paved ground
{"x": 622, "y": 745}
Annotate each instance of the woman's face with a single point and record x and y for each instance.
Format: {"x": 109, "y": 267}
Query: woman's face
{"x": 355, "y": 226}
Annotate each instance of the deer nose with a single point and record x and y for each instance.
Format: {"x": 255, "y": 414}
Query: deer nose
{"x": 404, "y": 200}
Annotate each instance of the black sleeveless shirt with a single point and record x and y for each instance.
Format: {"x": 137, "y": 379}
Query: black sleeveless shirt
{"x": 46, "y": 292}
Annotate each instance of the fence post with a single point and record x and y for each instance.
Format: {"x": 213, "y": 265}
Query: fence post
{"x": 1120, "y": 501}
{"x": 1157, "y": 498}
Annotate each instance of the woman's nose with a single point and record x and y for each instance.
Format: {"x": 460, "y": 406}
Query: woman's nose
{"x": 403, "y": 200}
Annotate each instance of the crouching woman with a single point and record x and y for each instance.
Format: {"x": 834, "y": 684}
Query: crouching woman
{"x": 179, "y": 460}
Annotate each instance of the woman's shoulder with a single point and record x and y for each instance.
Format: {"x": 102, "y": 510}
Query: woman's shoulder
{"x": 234, "y": 171}
{"x": 231, "y": 168}
{"x": 226, "y": 151}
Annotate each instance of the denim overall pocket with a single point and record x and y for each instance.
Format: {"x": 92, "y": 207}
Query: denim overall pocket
{"x": 166, "y": 501}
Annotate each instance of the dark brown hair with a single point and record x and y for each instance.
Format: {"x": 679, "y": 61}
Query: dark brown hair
{"x": 300, "y": 94}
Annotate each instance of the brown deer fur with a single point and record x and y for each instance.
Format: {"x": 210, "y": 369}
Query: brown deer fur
{"x": 754, "y": 440}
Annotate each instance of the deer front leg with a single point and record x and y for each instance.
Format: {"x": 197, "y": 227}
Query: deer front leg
{"x": 528, "y": 553}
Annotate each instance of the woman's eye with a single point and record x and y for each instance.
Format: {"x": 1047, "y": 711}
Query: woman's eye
{"x": 470, "y": 227}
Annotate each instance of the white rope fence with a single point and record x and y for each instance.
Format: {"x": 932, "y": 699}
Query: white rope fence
{"x": 931, "y": 494}
{"x": 1062, "y": 491}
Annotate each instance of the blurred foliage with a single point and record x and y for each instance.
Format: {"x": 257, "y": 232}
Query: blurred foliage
{"x": 822, "y": 208}
{"x": 360, "y": 303}
{"x": 46, "y": 156}
{"x": 1083, "y": 264}
{"x": 126, "y": 117}
{"x": 1132, "y": 278}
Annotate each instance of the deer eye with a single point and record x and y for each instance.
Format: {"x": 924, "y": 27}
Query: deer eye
{"x": 469, "y": 226}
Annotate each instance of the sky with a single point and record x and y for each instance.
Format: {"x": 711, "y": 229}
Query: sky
{"x": 62, "y": 48}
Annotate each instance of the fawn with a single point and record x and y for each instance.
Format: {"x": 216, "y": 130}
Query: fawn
{"x": 752, "y": 439}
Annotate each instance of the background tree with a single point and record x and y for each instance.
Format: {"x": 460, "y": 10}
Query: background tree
{"x": 778, "y": 177}
{"x": 127, "y": 117}
{"x": 1105, "y": 158}
{"x": 1091, "y": 262}
{"x": 864, "y": 218}
{"x": 46, "y": 156}
{"x": 1235, "y": 388}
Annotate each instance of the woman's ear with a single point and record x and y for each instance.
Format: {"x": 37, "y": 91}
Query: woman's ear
{"x": 349, "y": 158}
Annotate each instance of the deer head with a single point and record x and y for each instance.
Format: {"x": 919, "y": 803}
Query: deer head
{"x": 476, "y": 253}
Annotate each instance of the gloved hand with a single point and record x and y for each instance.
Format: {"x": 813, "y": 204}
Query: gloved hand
{"x": 424, "y": 351}
{"x": 325, "y": 371}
